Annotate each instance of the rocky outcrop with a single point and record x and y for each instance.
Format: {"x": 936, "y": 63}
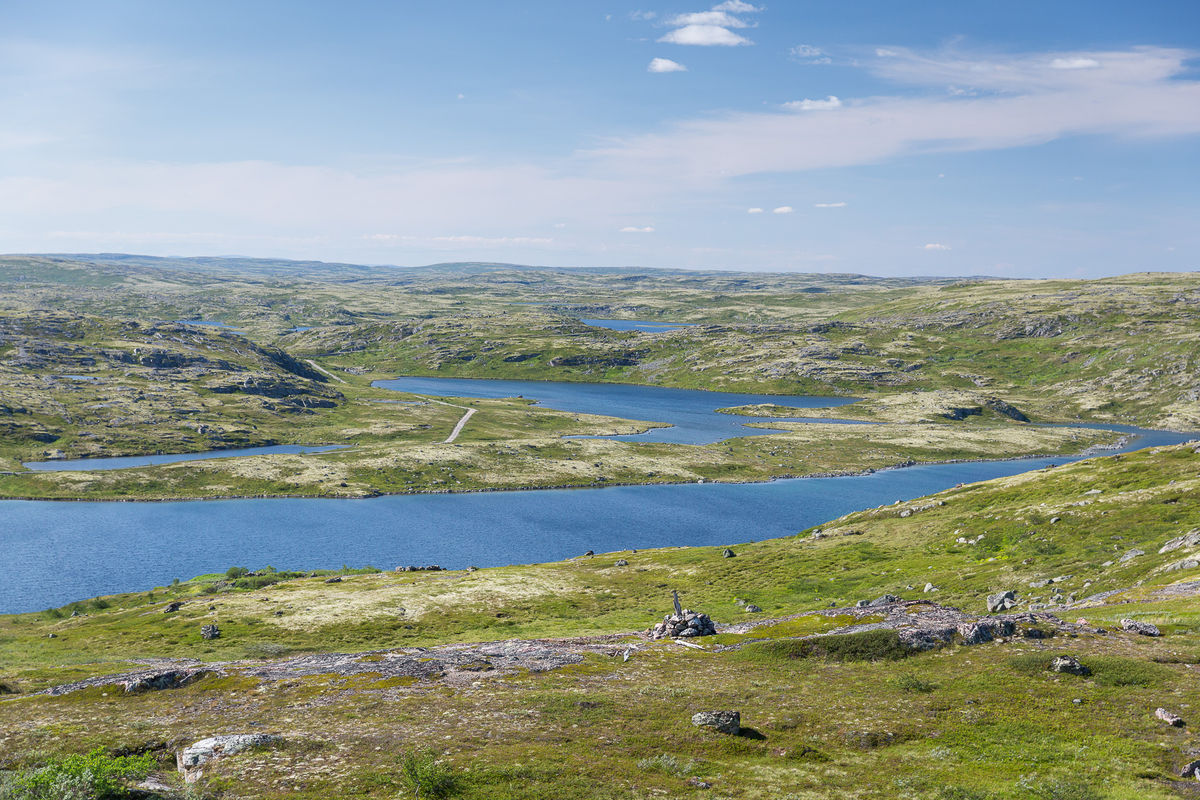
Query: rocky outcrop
{"x": 1001, "y": 601}
{"x": 1142, "y": 628}
{"x": 192, "y": 758}
{"x": 727, "y": 722}
{"x": 159, "y": 681}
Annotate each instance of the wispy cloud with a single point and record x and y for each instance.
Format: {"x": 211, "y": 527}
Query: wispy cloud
{"x": 635, "y": 229}
{"x": 782, "y": 210}
{"x": 937, "y": 246}
{"x": 713, "y": 28}
{"x": 665, "y": 65}
{"x": 1074, "y": 63}
{"x": 737, "y": 7}
{"x": 754, "y": 210}
{"x": 719, "y": 18}
{"x": 827, "y": 104}
{"x": 809, "y": 54}
{"x": 830, "y": 205}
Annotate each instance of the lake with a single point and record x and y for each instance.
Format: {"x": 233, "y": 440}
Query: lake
{"x": 645, "y": 326}
{"x": 691, "y": 412}
{"x": 57, "y": 552}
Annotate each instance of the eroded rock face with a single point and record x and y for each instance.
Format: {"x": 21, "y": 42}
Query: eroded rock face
{"x": 158, "y": 681}
{"x": 1142, "y": 628}
{"x": 1069, "y": 665}
{"x": 1001, "y": 601}
{"x": 193, "y": 757}
{"x": 727, "y": 722}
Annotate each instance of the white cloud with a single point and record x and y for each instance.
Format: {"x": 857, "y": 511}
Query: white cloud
{"x": 783, "y": 210}
{"x": 937, "y": 246}
{"x": 705, "y": 36}
{"x": 635, "y": 229}
{"x": 809, "y": 54}
{"x": 665, "y": 65}
{"x": 1074, "y": 63}
{"x": 829, "y": 205}
{"x": 737, "y": 7}
{"x": 828, "y": 103}
{"x": 719, "y": 18}
{"x": 641, "y": 16}
{"x": 755, "y": 210}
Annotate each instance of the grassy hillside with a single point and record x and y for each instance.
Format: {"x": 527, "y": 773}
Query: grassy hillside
{"x": 854, "y": 717}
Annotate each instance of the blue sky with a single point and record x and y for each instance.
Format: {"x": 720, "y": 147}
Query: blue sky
{"x": 1013, "y": 138}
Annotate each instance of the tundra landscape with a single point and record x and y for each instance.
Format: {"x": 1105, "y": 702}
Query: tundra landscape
{"x": 534, "y": 400}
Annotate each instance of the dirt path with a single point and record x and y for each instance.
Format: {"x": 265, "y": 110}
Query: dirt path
{"x": 324, "y": 371}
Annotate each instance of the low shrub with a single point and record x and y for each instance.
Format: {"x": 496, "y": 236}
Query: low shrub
{"x": 907, "y": 682}
{"x": 422, "y": 773}
{"x": 670, "y": 765}
{"x": 94, "y": 776}
{"x": 876, "y": 645}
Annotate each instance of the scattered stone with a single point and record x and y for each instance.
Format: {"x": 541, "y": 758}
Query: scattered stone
{"x": 1069, "y": 665}
{"x": 728, "y": 722}
{"x": 1174, "y": 720}
{"x": 1001, "y": 601}
{"x": 193, "y": 757}
{"x": 697, "y": 783}
{"x": 1143, "y": 628}
{"x": 210, "y": 632}
{"x": 727, "y": 553}
{"x": 929, "y": 587}
{"x": 1055, "y": 520}
{"x": 334, "y": 579}
{"x": 51, "y": 635}
{"x": 173, "y": 607}
{"x": 621, "y": 563}
{"x": 158, "y": 681}
{"x": 1131, "y": 555}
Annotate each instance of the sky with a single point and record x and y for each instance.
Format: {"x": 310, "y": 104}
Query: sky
{"x": 1021, "y": 138}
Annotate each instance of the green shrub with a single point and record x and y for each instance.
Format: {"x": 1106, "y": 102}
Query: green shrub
{"x": 907, "y": 682}
{"x": 233, "y": 573}
{"x": 95, "y": 776}
{"x": 426, "y": 776}
{"x": 877, "y": 645}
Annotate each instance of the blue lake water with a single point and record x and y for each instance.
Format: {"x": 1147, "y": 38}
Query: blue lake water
{"x": 691, "y": 413}
{"x": 56, "y": 552}
{"x": 125, "y": 462}
{"x": 645, "y": 326}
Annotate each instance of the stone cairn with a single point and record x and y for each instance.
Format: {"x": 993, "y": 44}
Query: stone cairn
{"x": 684, "y": 622}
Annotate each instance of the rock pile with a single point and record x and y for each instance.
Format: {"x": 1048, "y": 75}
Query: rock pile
{"x": 210, "y": 632}
{"x": 688, "y": 623}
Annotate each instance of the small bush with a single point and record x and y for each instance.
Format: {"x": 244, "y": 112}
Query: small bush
{"x": 95, "y": 776}
{"x": 233, "y": 573}
{"x": 669, "y": 764}
{"x": 9, "y": 688}
{"x": 907, "y": 682}
{"x": 426, "y": 776}
{"x": 1118, "y": 671}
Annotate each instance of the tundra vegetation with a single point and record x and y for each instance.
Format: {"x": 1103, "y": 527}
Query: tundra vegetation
{"x": 538, "y": 681}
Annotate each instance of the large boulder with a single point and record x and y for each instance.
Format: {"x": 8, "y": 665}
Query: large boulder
{"x": 1143, "y": 628}
{"x": 192, "y": 758}
{"x": 729, "y": 722}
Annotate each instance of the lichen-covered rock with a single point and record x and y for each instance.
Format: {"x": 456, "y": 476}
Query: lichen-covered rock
{"x": 158, "y": 681}
{"x": 1172, "y": 719}
{"x": 1142, "y": 628}
{"x": 193, "y": 757}
{"x": 1069, "y": 665}
{"x": 728, "y": 722}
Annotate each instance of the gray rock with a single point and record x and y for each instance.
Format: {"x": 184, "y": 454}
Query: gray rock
{"x": 1130, "y": 555}
{"x": 753, "y": 609}
{"x": 1190, "y": 770}
{"x": 1187, "y": 563}
{"x": 727, "y": 553}
{"x": 929, "y": 587}
{"x": 171, "y": 679}
{"x": 1143, "y": 628}
{"x": 1001, "y": 601}
{"x": 334, "y": 579}
{"x": 862, "y": 604}
{"x": 193, "y": 757}
{"x": 885, "y": 600}
{"x": 173, "y": 607}
{"x": 1189, "y": 539}
{"x": 1069, "y": 665}
{"x": 729, "y": 722}
{"x": 1174, "y": 720}
{"x": 687, "y": 624}
{"x": 985, "y": 630}
{"x": 210, "y": 632}
{"x": 621, "y": 563}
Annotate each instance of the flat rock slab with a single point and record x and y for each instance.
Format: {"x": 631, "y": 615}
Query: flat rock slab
{"x": 194, "y": 756}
